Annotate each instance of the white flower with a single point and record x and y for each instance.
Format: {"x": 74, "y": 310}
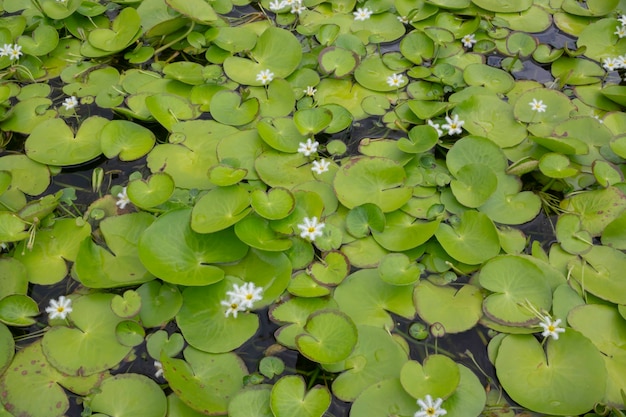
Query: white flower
{"x": 159, "y": 369}
{"x": 430, "y": 408}
{"x": 308, "y": 148}
{"x": 122, "y": 199}
{"x": 276, "y": 5}
{"x": 622, "y": 19}
{"x": 297, "y": 8}
{"x": 469, "y": 40}
{"x": 454, "y": 125}
{"x": 620, "y": 31}
{"x": 403, "y": 19}
{"x": 70, "y": 102}
{"x": 233, "y": 307}
{"x": 265, "y": 76}
{"x": 62, "y": 1}
{"x": 537, "y": 106}
{"x": 610, "y": 64}
{"x": 59, "y": 308}
{"x": 15, "y": 52}
{"x": 362, "y": 13}
{"x": 310, "y": 91}
{"x": 6, "y": 49}
{"x": 551, "y": 328}
{"x": 245, "y": 295}
{"x": 621, "y": 61}
{"x": 320, "y": 166}
{"x": 436, "y": 127}
{"x": 394, "y": 80}
{"x": 311, "y": 228}
{"x": 292, "y": 2}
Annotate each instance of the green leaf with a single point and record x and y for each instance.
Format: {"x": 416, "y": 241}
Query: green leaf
{"x": 290, "y": 399}
{"x": 329, "y": 336}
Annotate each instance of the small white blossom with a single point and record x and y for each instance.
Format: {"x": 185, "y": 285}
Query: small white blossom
{"x": 537, "y": 106}
{"x": 453, "y": 125}
{"x": 320, "y": 166}
{"x": 621, "y": 61}
{"x": 430, "y": 408}
{"x": 233, "y": 306}
{"x": 159, "y": 369}
{"x": 620, "y": 31}
{"x": 394, "y": 80}
{"x": 310, "y": 91}
{"x": 15, "y": 52}
{"x": 245, "y": 295}
{"x": 610, "y": 64}
{"x": 62, "y": 1}
{"x": 469, "y": 40}
{"x": 70, "y": 102}
{"x": 6, "y": 50}
{"x": 622, "y": 19}
{"x": 551, "y": 328}
{"x": 362, "y": 13}
{"x": 265, "y": 76}
{"x": 292, "y": 2}
{"x": 308, "y": 147}
{"x": 122, "y": 199}
{"x": 311, "y": 228}
{"x": 297, "y": 8}
{"x": 276, "y": 5}
{"x": 59, "y": 308}
{"x": 436, "y": 127}
{"x": 403, "y": 19}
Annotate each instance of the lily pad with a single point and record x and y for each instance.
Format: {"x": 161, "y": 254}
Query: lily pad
{"x": 438, "y": 377}
{"x": 473, "y": 240}
{"x": 598, "y": 272}
{"x": 290, "y": 399}
{"x": 219, "y": 209}
{"x": 159, "y": 303}
{"x": 117, "y": 396}
{"x": 160, "y": 341}
{"x": 153, "y": 191}
{"x": 126, "y": 139}
{"x": 276, "y": 204}
{"x": 329, "y": 336}
{"x": 252, "y": 401}
{"x": 18, "y": 310}
{"x": 397, "y": 269}
{"x": 333, "y": 268}
{"x": 126, "y": 305}
{"x": 229, "y": 108}
{"x": 596, "y": 208}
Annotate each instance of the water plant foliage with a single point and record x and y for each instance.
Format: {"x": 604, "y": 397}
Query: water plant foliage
{"x": 305, "y": 208}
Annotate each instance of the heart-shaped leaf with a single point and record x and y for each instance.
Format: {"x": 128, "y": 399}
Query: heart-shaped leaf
{"x": 126, "y": 305}
{"x": 126, "y": 27}
{"x": 126, "y": 139}
{"x": 332, "y": 270}
{"x": 330, "y": 336}
{"x": 290, "y": 399}
{"x": 156, "y": 190}
{"x": 438, "y": 377}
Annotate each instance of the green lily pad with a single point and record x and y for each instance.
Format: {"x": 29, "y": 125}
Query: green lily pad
{"x": 27, "y": 175}
{"x": 280, "y": 170}
{"x": 117, "y": 396}
{"x": 196, "y": 10}
{"x": 219, "y": 209}
{"x": 126, "y": 305}
{"x": 329, "y": 336}
{"x": 118, "y": 265}
{"x": 507, "y": 205}
{"x": 228, "y": 107}
{"x": 555, "y": 165}
{"x": 290, "y": 399}
{"x": 71, "y": 350}
{"x": 205, "y": 381}
{"x": 421, "y": 139}
{"x": 42, "y": 41}
{"x": 125, "y": 28}
{"x": 596, "y": 208}
{"x": 153, "y": 191}
{"x": 372, "y": 180}
{"x": 18, "y": 310}
{"x": 473, "y": 240}
{"x": 258, "y": 233}
{"x": 46, "y": 262}
{"x": 252, "y": 401}
{"x": 312, "y": 121}
{"x": 129, "y": 333}
{"x": 474, "y": 184}
{"x": 366, "y": 299}
{"x": 275, "y": 204}
{"x": 303, "y": 285}
{"x": 8, "y": 347}
{"x": 224, "y": 175}
{"x": 126, "y": 139}
{"x": 159, "y": 303}
{"x": 614, "y": 234}
{"x": 493, "y": 79}
{"x": 186, "y": 257}
{"x": 506, "y": 6}
{"x": 403, "y": 232}
{"x": 333, "y": 268}
{"x": 169, "y": 109}
{"x": 571, "y": 236}
{"x": 362, "y": 219}
{"x": 438, "y": 377}
{"x": 439, "y": 304}
{"x": 599, "y": 272}
{"x": 159, "y": 342}
{"x": 379, "y": 398}
{"x": 338, "y": 61}
{"x": 514, "y": 281}
{"x": 397, "y": 269}
{"x": 14, "y": 277}
{"x": 572, "y": 361}
{"x": 12, "y": 227}
{"x": 281, "y": 134}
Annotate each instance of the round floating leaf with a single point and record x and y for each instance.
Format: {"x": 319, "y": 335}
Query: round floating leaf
{"x": 555, "y": 165}
{"x": 280, "y": 170}
{"x": 205, "y": 381}
{"x": 614, "y": 234}
{"x": 27, "y": 175}
{"x": 270, "y": 366}
{"x": 290, "y": 399}
{"x": 372, "y": 74}
{"x": 155, "y": 190}
{"x": 227, "y": 107}
{"x": 596, "y": 208}
{"x": 125, "y": 28}
{"x": 126, "y": 139}
{"x": 185, "y": 257}
{"x": 379, "y": 398}
{"x": 337, "y": 60}
{"x": 312, "y": 121}
{"x": 572, "y": 362}
{"x": 12, "y": 227}
{"x": 126, "y": 305}
{"x": 31, "y": 371}
{"x": 129, "y": 333}
{"x": 475, "y": 150}
{"x": 73, "y": 350}
{"x": 366, "y": 299}
{"x": 331, "y": 270}
{"x": 257, "y": 232}
{"x": 508, "y": 205}
{"x": 18, "y": 310}
{"x": 7, "y": 347}
{"x": 514, "y": 281}
{"x": 472, "y": 241}
{"x": 277, "y": 203}
{"x": 492, "y": 78}
{"x": 220, "y": 208}
{"x": 600, "y": 272}
{"x": 558, "y": 106}
{"x": 196, "y": 10}
{"x": 504, "y": 6}
{"x": 160, "y": 342}
{"x": 204, "y": 324}
{"x": 397, "y": 269}
{"x": 372, "y": 180}
{"x": 570, "y": 235}
{"x": 224, "y": 175}
{"x": 361, "y": 219}
{"x": 403, "y": 232}
{"x": 117, "y": 396}
{"x": 437, "y": 304}
{"x": 330, "y": 336}
{"x": 474, "y": 184}
{"x": 159, "y": 303}
{"x": 302, "y": 285}
{"x": 281, "y": 134}
{"x": 438, "y": 377}
{"x": 63, "y": 147}
{"x": 169, "y": 109}
{"x": 253, "y": 401}
{"x": 13, "y": 276}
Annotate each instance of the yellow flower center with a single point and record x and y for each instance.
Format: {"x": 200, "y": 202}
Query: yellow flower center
{"x": 248, "y": 296}
{"x": 60, "y": 309}
{"x": 431, "y": 411}
{"x": 311, "y": 229}
{"x": 551, "y": 328}
{"x": 234, "y": 306}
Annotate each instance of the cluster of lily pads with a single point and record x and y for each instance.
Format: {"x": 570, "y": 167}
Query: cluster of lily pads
{"x": 256, "y": 190}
